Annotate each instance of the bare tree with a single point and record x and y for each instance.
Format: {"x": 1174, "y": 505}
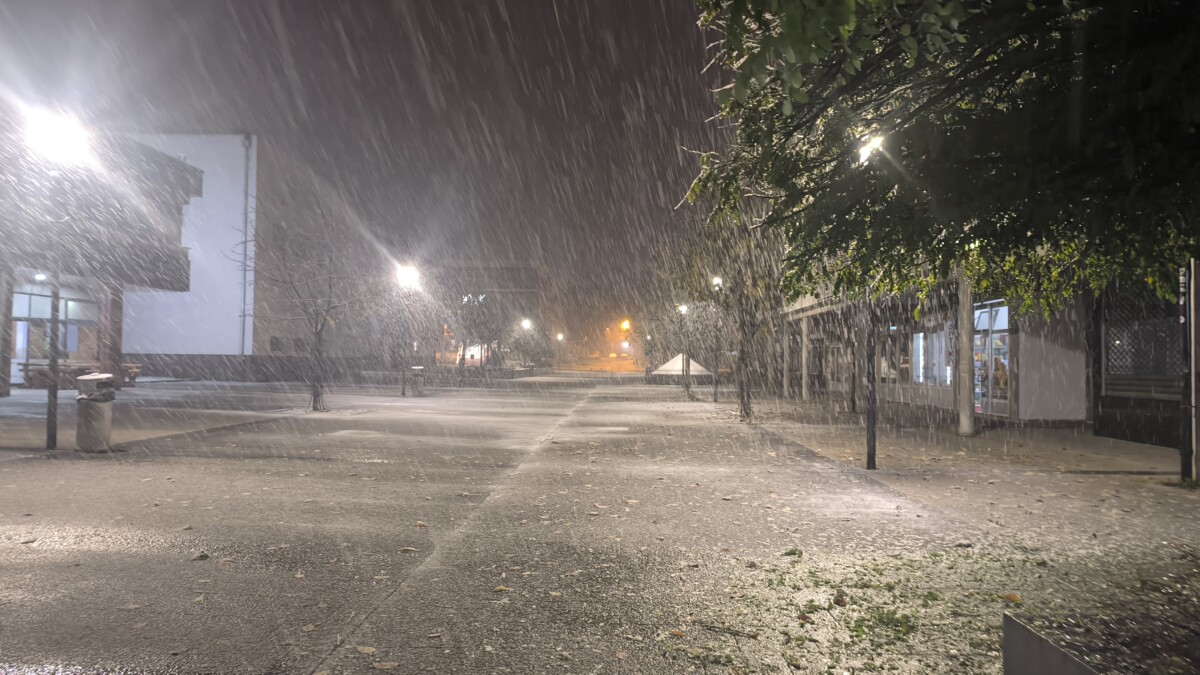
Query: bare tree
{"x": 314, "y": 282}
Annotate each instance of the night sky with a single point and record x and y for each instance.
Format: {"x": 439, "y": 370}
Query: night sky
{"x": 546, "y": 130}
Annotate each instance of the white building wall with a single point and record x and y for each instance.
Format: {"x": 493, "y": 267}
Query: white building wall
{"x": 210, "y": 318}
{"x": 1052, "y": 367}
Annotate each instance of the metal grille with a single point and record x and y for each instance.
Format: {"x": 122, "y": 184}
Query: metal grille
{"x": 1142, "y": 348}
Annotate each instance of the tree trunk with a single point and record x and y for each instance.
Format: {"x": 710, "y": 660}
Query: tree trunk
{"x": 743, "y": 372}
{"x": 317, "y": 376}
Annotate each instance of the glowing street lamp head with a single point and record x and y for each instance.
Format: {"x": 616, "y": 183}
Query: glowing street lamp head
{"x": 683, "y": 309}
{"x": 57, "y": 138}
{"x": 718, "y": 283}
{"x": 869, "y": 146}
{"x": 560, "y": 337}
{"x": 526, "y": 324}
{"x": 408, "y": 277}
{"x": 624, "y": 345}
{"x": 39, "y": 277}
{"x": 625, "y": 324}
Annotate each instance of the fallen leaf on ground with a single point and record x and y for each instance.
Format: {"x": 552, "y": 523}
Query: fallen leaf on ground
{"x": 200, "y": 556}
{"x": 365, "y": 650}
{"x": 131, "y": 607}
{"x": 622, "y": 655}
{"x": 30, "y": 540}
{"x": 1013, "y": 598}
{"x": 421, "y": 523}
{"x": 198, "y": 598}
{"x": 227, "y": 561}
{"x": 299, "y": 575}
{"x": 309, "y": 628}
{"x": 502, "y": 589}
{"x": 385, "y": 665}
{"x": 381, "y": 577}
{"x": 677, "y": 633}
{"x": 408, "y": 549}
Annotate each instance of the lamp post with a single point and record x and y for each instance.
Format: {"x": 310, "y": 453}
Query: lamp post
{"x": 685, "y": 368}
{"x": 408, "y": 280}
{"x": 58, "y": 142}
{"x": 718, "y": 285}
{"x": 869, "y": 146}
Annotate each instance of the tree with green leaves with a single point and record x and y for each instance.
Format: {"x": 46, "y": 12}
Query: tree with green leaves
{"x": 1038, "y": 147}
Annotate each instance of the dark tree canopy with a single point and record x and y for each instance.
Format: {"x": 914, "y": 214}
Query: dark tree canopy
{"x": 1040, "y": 146}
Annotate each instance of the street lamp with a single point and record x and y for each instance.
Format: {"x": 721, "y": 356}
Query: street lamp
{"x": 625, "y": 325}
{"x": 408, "y": 277}
{"x": 869, "y": 146}
{"x": 408, "y": 280}
{"x": 58, "y": 141}
{"x": 560, "y": 337}
{"x": 57, "y": 138}
{"x": 718, "y": 285}
{"x": 685, "y": 368}
{"x": 526, "y": 324}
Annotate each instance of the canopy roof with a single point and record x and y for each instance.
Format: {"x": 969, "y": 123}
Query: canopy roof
{"x": 675, "y": 367}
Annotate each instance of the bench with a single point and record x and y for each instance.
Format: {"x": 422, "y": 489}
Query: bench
{"x": 37, "y": 375}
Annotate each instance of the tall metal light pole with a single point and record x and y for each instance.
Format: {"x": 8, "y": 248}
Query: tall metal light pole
{"x": 686, "y": 367}
{"x": 1187, "y": 316}
{"x": 869, "y": 146}
{"x": 58, "y": 142}
{"x": 408, "y": 279}
{"x": 872, "y": 380}
{"x": 718, "y": 285}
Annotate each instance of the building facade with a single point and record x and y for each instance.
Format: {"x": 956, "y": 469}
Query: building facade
{"x": 206, "y": 331}
{"x": 83, "y": 234}
{"x": 1114, "y": 361}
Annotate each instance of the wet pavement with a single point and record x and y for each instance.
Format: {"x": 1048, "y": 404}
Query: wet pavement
{"x": 565, "y": 529}
{"x": 527, "y": 530}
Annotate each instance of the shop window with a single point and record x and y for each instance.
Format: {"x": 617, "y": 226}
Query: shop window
{"x": 931, "y": 359}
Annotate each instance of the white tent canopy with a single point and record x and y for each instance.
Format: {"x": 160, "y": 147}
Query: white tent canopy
{"x": 675, "y": 367}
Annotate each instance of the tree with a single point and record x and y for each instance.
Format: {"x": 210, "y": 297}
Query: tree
{"x": 315, "y": 284}
{"x": 1038, "y": 147}
{"x": 748, "y": 260}
{"x": 485, "y": 320}
{"x": 531, "y": 344}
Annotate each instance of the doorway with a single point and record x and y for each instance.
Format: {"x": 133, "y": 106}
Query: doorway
{"x": 991, "y": 358}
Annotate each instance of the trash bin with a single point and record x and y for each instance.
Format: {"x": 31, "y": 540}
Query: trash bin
{"x": 93, "y": 425}
{"x": 418, "y": 380}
